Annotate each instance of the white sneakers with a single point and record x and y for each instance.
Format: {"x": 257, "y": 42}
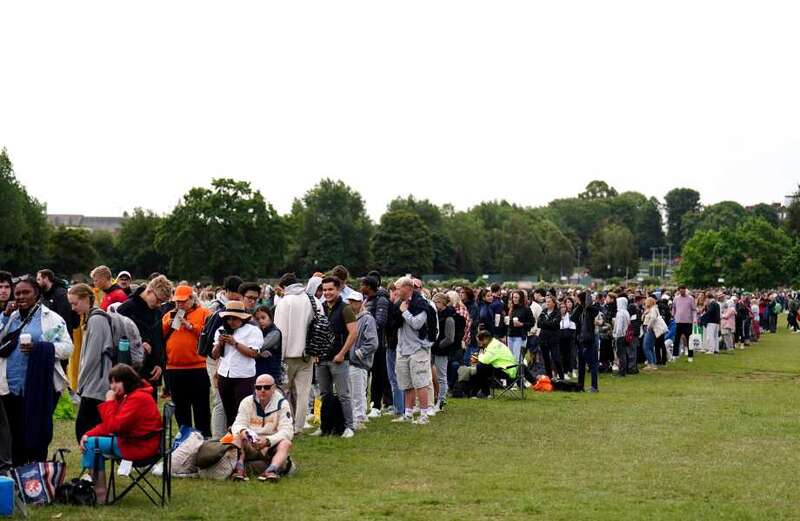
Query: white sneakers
{"x": 422, "y": 420}
{"x": 402, "y": 419}
{"x": 348, "y": 433}
{"x": 374, "y": 413}
{"x": 317, "y": 432}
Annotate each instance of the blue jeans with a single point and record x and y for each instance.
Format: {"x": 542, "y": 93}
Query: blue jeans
{"x": 516, "y": 344}
{"x": 398, "y": 400}
{"x": 650, "y": 347}
{"x": 107, "y": 447}
{"x": 441, "y": 363}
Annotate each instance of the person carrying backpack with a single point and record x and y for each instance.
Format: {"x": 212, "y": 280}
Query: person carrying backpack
{"x": 97, "y": 341}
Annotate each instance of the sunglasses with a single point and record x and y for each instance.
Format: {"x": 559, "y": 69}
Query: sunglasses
{"x": 263, "y": 387}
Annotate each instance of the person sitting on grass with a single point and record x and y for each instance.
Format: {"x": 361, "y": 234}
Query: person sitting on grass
{"x": 495, "y": 359}
{"x": 263, "y": 431}
{"x": 129, "y": 428}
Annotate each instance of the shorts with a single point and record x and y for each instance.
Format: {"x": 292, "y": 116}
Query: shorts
{"x": 413, "y": 371}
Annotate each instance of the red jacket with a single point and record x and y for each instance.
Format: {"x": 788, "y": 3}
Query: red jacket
{"x": 112, "y": 295}
{"x": 135, "y": 421}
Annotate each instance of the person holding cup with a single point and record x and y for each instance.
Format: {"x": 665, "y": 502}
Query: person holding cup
{"x": 520, "y": 321}
{"x": 33, "y": 341}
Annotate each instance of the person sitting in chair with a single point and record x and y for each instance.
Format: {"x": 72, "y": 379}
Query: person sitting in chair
{"x": 129, "y": 428}
{"x": 263, "y": 431}
{"x": 495, "y": 359}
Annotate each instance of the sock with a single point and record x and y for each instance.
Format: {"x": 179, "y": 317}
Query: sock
{"x": 409, "y": 412}
{"x": 272, "y": 468}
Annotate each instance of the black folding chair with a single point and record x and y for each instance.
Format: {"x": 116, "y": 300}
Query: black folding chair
{"x": 504, "y": 386}
{"x": 142, "y": 469}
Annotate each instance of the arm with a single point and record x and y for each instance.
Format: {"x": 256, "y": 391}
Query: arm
{"x": 449, "y": 333}
{"x": 351, "y": 338}
{"x": 415, "y": 321}
{"x": 242, "y": 417}
{"x": 285, "y": 426}
{"x": 381, "y": 313}
{"x": 272, "y": 339}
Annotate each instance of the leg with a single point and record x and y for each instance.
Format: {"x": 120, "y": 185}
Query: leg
{"x": 218, "y": 412}
{"x": 582, "y": 365}
{"x": 15, "y": 412}
{"x": 341, "y": 379}
{"x": 181, "y": 396}
{"x": 88, "y": 417}
{"x": 435, "y": 378}
{"x": 5, "y": 441}
{"x": 377, "y": 387}
{"x": 421, "y": 378}
{"x": 548, "y": 363}
{"x": 441, "y": 363}
{"x": 228, "y": 399}
{"x": 591, "y": 355}
{"x": 622, "y": 355}
{"x": 301, "y": 375}
{"x": 398, "y": 398}
{"x": 358, "y": 381}
{"x": 198, "y": 387}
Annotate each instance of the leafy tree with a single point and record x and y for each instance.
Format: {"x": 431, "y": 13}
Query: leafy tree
{"x": 792, "y": 221}
{"x": 725, "y": 214}
{"x": 105, "y": 244}
{"x": 136, "y": 242}
{"x": 790, "y": 264}
{"x": 579, "y": 218}
{"x": 226, "y": 229}
{"x": 640, "y": 215}
{"x": 443, "y": 246}
{"x": 402, "y": 244}
{"x": 330, "y": 226}
{"x": 522, "y": 248}
{"x": 23, "y": 242}
{"x": 70, "y": 251}
{"x": 767, "y": 212}
{"x": 558, "y": 254}
{"x": 679, "y": 201}
{"x": 597, "y": 190}
{"x": 468, "y": 236}
{"x": 612, "y": 251}
{"x": 700, "y": 265}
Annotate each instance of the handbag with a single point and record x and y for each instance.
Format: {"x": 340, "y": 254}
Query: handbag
{"x": 9, "y": 342}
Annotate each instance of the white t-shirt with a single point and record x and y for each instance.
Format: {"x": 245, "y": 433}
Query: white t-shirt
{"x": 232, "y": 363}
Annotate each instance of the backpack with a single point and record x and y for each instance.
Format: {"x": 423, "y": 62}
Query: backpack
{"x": 777, "y": 308}
{"x": 430, "y": 331}
{"x": 205, "y": 343}
{"x": 629, "y": 334}
{"x": 319, "y": 337}
{"x": 122, "y": 327}
{"x": 78, "y": 492}
{"x": 331, "y": 415}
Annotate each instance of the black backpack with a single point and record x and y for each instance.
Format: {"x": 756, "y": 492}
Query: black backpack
{"x": 430, "y": 331}
{"x": 78, "y": 492}
{"x": 319, "y": 337}
{"x": 206, "y": 341}
{"x": 331, "y": 416}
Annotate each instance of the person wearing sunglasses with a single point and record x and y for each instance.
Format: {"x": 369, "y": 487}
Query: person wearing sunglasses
{"x": 263, "y": 432}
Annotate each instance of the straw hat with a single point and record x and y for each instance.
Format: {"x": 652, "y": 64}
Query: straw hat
{"x": 234, "y": 308}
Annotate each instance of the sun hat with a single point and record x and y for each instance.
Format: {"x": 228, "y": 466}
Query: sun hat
{"x": 355, "y": 295}
{"x": 234, "y": 308}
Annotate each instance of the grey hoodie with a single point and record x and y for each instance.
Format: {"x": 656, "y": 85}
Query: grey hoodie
{"x": 94, "y": 365}
{"x": 623, "y": 318}
{"x": 366, "y": 343}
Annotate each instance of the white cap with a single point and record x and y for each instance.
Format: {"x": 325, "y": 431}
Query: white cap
{"x": 124, "y": 274}
{"x": 355, "y": 295}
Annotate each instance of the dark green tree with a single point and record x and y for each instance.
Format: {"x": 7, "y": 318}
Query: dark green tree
{"x": 767, "y": 212}
{"x": 330, "y": 226}
{"x": 137, "y": 244}
{"x": 612, "y": 251}
{"x": 105, "y": 244}
{"x": 700, "y": 264}
{"x": 468, "y": 236}
{"x": 725, "y": 214}
{"x": 792, "y": 221}
{"x": 23, "y": 243}
{"x": 432, "y": 216}
{"x": 402, "y": 244}
{"x": 226, "y": 229}
{"x": 679, "y": 201}
{"x": 597, "y": 190}
{"x": 70, "y": 252}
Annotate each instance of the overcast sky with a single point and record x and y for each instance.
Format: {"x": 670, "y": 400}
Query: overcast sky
{"x": 105, "y": 106}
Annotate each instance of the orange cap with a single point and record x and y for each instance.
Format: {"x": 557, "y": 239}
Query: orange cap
{"x": 182, "y": 293}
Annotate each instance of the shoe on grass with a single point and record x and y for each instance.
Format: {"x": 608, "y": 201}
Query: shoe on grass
{"x": 317, "y": 432}
{"x": 422, "y": 420}
{"x": 374, "y": 413}
{"x": 269, "y": 475}
{"x": 348, "y": 433}
{"x": 239, "y": 473}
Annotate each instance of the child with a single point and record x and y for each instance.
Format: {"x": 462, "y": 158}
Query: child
{"x": 361, "y": 357}
{"x": 269, "y": 360}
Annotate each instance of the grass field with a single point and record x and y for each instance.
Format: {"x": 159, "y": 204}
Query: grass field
{"x": 716, "y": 439}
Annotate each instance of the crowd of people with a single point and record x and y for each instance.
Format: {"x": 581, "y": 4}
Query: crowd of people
{"x": 248, "y": 361}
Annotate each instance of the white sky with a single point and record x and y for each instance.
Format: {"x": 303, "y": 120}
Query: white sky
{"x": 456, "y": 101}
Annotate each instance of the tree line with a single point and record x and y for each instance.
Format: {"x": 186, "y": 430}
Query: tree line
{"x": 229, "y": 227}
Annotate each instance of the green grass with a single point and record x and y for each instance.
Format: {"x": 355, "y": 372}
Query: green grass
{"x": 719, "y": 438}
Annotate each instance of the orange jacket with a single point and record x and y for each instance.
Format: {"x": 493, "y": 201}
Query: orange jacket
{"x": 182, "y": 343}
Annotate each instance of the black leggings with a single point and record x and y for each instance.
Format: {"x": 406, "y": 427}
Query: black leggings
{"x": 88, "y": 417}
{"x": 5, "y": 440}
{"x": 15, "y": 412}
{"x": 189, "y": 389}
{"x": 661, "y": 351}
{"x": 566, "y": 344}
{"x": 551, "y": 356}
{"x": 380, "y": 391}
{"x": 232, "y": 391}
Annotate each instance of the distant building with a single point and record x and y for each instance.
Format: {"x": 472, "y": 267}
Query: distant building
{"x": 93, "y": 224}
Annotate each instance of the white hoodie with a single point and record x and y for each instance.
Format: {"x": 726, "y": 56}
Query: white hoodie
{"x": 292, "y": 316}
{"x": 623, "y": 318}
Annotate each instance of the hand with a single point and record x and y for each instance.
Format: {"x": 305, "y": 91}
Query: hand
{"x": 156, "y": 373}
{"x": 111, "y": 396}
{"x": 147, "y": 347}
{"x": 260, "y": 444}
{"x": 10, "y": 307}
{"x": 339, "y": 358}
{"x": 83, "y": 441}
{"x": 186, "y": 324}
{"x": 26, "y": 348}
{"x": 404, "y": 306}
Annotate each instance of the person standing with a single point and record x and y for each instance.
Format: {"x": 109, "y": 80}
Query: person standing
{"x": 711, "y": 317}
{"x": 587, "y": 345}
{"x": 293, "y": 314}
{"x": 361, "y": 357}
{"x": 377, "y": 303}
{"x": 441, "y": 348}
{"x": 54, "y": 296}
{"x": 549, "y": 335}
{"x": 684, "y": 311}
{"x": 124, "y": 282}
{"x": 95, "y": 363}
{"x": 519, "y": 323}
{"x": 622, "y": 322}
{"x": 186, "y": 370}
{"x": 106, "y": 291}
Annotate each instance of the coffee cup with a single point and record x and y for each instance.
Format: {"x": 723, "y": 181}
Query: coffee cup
{"x": 497, "y": 320}
{"x": 508, "y": 320}
{"x": 25, "y": 339}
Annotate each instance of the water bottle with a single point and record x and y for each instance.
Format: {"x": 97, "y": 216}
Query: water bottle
{"x": 124, "y": 351}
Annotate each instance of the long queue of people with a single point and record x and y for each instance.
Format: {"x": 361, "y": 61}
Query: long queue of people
{"x": 247, "y": 365}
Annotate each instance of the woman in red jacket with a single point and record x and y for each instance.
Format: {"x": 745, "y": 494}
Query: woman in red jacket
{"x": 129, "y": 428}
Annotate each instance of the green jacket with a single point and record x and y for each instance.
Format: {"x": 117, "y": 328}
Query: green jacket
{"x": 499, "y": 356}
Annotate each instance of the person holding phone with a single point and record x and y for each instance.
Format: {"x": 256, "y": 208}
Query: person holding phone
{"x": 236, "y": 346}
{"x": 186, "y": 370}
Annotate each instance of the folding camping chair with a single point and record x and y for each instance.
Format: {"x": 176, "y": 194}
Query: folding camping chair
{"x": 511, "y": 387}
{"x": 142, "y": 469}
